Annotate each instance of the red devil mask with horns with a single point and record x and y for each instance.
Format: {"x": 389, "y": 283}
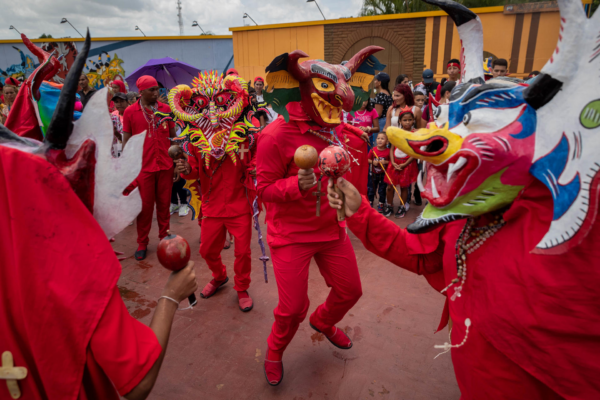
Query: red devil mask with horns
{"x": 322, "y": 89}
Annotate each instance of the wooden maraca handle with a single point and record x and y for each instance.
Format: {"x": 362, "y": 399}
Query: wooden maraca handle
{"x": 341, "y": 213}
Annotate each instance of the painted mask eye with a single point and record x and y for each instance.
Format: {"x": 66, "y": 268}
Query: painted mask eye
{"x": 467, "y": 118}
{"x": 201, "y": 102}
{"x": 323, "y": 85}
{"x": 222, "y": 98}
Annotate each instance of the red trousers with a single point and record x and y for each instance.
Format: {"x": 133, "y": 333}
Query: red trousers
{"x": 213, "y": 239}
{"x": 155, "y": 187}
{"x": 337, "y": 264}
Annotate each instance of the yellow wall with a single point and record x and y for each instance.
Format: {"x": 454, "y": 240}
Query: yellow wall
{"x": 498, "y": 38}
{"x": 254, "y": 50}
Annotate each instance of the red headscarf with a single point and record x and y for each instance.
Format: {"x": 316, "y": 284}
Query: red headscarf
{"x": 145, "y": 82}
{"x": 121, "y": 85}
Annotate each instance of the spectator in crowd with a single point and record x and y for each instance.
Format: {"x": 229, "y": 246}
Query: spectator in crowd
{"x": 259, "y": 84}
{"x": 379, "y": 158}
{"x": 120, "y": 102}
{"x": 1, "y": 94}
{"x": 383, "y": 99}
{"x": 499, "y": 67}
{"x": 9, "y": 91}
{"x": 402, "y": 170}
{"x": 132, "y": 97}
{"x": 402, "y": 79}
{"x": 420, "y": 98}
{"x": 402, "y": 97}
{"x": 366, "y": 119}
{"x": 453, "y": 70}
{"x": 429, "y": 84}
{"x": 445, "y": 92}
{"x": 86, "y": 92}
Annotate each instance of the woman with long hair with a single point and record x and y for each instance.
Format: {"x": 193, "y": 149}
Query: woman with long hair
{"x": 9, "y": 91}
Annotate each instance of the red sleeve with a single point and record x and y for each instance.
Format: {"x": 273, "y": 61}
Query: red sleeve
{"x": 194, "y": 164}
{"x": 124, "y": 348}
{"x": 271, "y": 169}
{"x": 127, "y": 120}
{"x": 421, "y": 254}
{"x": 352, "y": 129}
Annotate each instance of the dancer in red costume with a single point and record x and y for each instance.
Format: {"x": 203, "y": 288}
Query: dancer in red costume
{"x": 226, "y": 196}
{"x": 156, "y": 179}
{"x": 218, "y": 136}
{"x": 513, "y": 242}
{"x": 62, "y": 318}
{"x": 295, "y": 234}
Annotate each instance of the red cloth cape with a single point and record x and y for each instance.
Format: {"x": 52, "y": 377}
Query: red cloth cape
{"x": 57, "y": 274}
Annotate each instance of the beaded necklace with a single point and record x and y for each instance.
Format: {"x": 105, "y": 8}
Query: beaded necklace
{"x": 469, "y": 240}
{"x": 149, "y": 117}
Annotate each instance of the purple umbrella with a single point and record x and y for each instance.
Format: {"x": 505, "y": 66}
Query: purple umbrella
{"x": 167, "y": 71}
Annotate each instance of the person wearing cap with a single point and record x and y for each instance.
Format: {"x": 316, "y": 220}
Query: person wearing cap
{"x": 120, "y": 103}
{"x": 156, "y": 178}
{"x": 232, "y": 71}
{"x": 86, "y": 92}
{"x": 9, "y": 91}
{"x": 429, "y": 84}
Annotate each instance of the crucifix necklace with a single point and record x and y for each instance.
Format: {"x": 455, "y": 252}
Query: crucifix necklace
{"x": 318, "y": 194}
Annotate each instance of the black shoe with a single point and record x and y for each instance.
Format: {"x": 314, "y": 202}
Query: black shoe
{"x": 418, "y": 203}
{"x": 140, "y": 255}
{"x": 400, "y": 213}
{"x": 388, "y": 210}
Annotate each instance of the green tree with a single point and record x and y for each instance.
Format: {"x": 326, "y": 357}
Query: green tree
{"x": 44, "y": 36}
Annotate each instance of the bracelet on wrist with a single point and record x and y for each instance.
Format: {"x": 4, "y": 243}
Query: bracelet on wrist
{"x": 169, "y": 298}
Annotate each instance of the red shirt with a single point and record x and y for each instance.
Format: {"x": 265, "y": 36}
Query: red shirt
{"x": 230, "y": 192}
{"x": 358, "y": 174}
{"x": 156, "y": 146}
{"x": 384, "y": 155}
{"x": 537, "y": 311}
{"x": 291, "y": 213}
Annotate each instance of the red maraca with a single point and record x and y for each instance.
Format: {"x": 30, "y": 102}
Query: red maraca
{"x": 334, "y": 161}
{"x": 174, "y": 254}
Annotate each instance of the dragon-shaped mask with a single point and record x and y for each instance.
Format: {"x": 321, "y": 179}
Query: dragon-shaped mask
{"x": 494, "y": 137}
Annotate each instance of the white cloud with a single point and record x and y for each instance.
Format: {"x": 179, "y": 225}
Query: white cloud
{"x": 158, "y": 17}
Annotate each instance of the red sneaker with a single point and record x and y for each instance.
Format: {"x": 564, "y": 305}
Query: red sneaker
{"x": 211, "y": 287}
{"x": 336, "y": 336}
{"x": 273, "y": 368}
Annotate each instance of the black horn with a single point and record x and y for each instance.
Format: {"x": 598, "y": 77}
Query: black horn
{"x": 459, "y": 13}
{"x": 542, "y": 90}
{"x": 61, "y": 125}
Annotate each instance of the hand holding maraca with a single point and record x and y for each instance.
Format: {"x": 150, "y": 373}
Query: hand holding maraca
{"x": 306, "y": 158}
{"x": 174, "y": 254}
{"x": 334, "y": 161}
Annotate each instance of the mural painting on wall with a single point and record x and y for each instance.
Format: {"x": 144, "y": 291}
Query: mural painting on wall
{"x": 104, "y": 70}
{"x": 19, "y": 71}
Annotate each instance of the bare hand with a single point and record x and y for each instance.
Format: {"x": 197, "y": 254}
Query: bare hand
{"x": 397, "y": 166}
{"x": 352, "y": 200}
{"x": 253, "y": 172}
{"x": 163, "y": 99}
{"x": 363, "y": 128}
{"x": 182, "y": 283}
{"x": 365, "y": 137}
{"x": 306, "y": 179}
{"x": 375, "y": 161}
{"x": 182, "y": 167}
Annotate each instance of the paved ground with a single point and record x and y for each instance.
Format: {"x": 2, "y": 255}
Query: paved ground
{"x": 216, "y": 351}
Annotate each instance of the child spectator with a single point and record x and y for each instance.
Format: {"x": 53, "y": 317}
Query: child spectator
{"x": 419, "y": 100}
{"x": 402, "y": 170}
{"x": 379, "y": 158}
{"x": 366, "y": 119}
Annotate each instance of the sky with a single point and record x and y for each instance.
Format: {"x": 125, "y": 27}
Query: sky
{"x": 158, "y": 17}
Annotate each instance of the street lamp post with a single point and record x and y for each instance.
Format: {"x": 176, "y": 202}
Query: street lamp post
{"x": 315, "y": 1}
{"x": 65, "y": 20}
{"x": 195, "y": 23}
{"x": 246, "y": 15}
{"x": 12, "y": 27}
{"x": 137, "y": 28}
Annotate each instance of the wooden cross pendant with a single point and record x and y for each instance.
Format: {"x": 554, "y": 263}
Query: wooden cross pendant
{"x": 11, "y": 374}
{"x": 243, "y": 150}
{"x": 318, "y": 194}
